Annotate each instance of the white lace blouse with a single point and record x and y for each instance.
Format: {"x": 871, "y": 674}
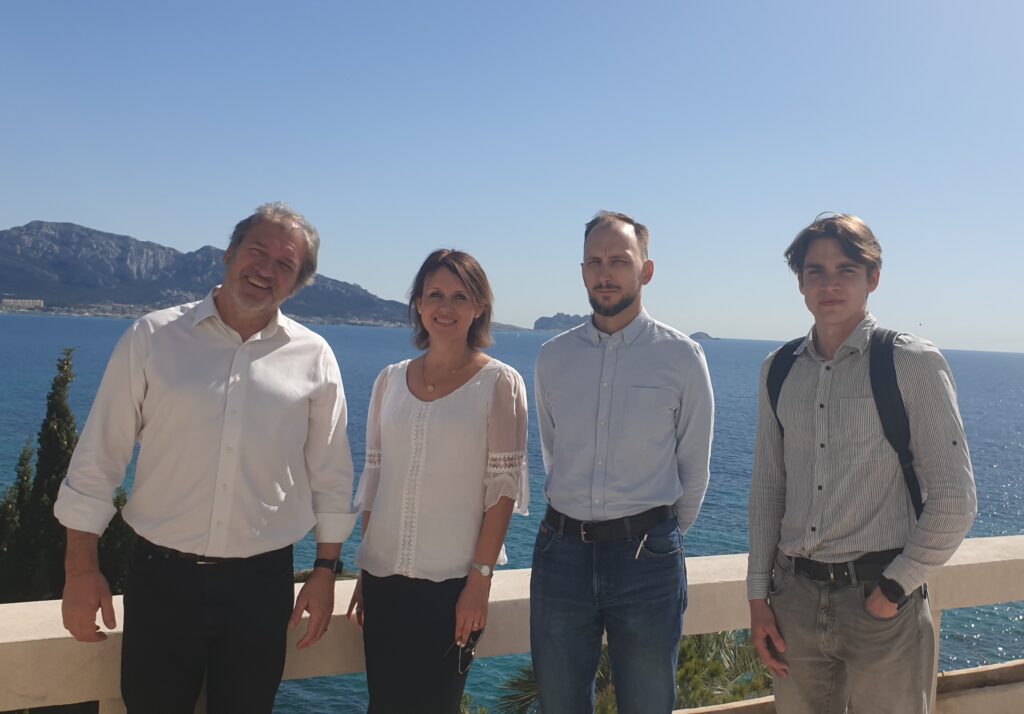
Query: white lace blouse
{"x": 433, "y": 468}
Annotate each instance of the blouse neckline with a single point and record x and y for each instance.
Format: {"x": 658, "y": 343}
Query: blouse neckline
{"x": 405, "y": 382}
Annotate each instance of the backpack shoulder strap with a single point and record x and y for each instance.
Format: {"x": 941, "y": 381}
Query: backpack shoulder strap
{"x": 782, "y": 362}
{"x": 891, "y": 410}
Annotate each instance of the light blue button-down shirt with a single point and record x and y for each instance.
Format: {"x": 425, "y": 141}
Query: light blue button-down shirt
{"x": 625, "y": 421}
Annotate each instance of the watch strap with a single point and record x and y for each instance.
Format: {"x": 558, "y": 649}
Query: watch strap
{"x": 484, "y": 569}
{"x": 329, "y": 563}
{"x": 892, "y": 590}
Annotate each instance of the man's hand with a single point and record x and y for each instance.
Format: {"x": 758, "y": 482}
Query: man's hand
{"x": 879, "y": 607}
{"x": 471, "y": 609}
{"x": 317, "y": 598}
{"x": 84, "y": 594}
{"x": 767, "y": 640}
{"x": 356, "y": 603}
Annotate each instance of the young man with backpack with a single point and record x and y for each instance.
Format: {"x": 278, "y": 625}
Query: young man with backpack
{"x": 862, "y": 486}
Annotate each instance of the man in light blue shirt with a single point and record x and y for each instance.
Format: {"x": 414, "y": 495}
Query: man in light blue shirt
{"x": 625, "y": 410}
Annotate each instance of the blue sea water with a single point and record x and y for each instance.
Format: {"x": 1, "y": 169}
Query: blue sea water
{"x": 991, "y": 392}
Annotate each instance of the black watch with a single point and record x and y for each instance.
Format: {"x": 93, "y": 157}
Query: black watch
{"x": 892, "y": 590}
{"x": 333, "y": 565}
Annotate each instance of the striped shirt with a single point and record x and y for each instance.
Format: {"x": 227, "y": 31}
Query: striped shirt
{"x": 834, "y": 490}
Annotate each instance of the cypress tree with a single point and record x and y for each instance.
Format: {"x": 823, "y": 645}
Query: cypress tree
{"x": 32, "y": 541}
{"x": 39, "y": 545}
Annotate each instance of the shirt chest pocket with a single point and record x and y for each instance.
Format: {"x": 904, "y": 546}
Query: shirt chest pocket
{"x": 860, "y": 431}
{"x": 650, "y": 415}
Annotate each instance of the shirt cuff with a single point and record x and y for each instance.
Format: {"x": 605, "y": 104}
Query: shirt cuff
{"x": 684, "y": 518}
{"x": 82, "y": 513}
{"x": 506, "y": 484}
{"x": 757, "y": 585}
{"x": 909, "y": 574}
{"x": 334, "y": 527}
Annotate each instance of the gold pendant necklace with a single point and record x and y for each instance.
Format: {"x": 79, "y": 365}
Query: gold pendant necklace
{"x": 423, "y": 371}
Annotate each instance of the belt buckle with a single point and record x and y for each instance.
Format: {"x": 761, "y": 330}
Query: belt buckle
{"x": 583, "y": 532}
{"x": 831, "y": 574}
{"x": 204, "y": 561}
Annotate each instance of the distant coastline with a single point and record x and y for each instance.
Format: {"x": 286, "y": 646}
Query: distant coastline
{"x": 132, "y": 312}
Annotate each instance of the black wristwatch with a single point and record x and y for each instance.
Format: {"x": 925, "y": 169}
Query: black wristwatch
{"x": 333, "y": 565}
{"x": 892, "y": 590}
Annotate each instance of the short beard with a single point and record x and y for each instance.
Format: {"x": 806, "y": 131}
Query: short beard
{"x": 611, "y": 310}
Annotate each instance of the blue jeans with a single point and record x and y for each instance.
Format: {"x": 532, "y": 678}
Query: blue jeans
{"x": 635, "y": 591}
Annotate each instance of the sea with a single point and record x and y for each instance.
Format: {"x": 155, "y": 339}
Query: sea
{"x": 991, "y": 393}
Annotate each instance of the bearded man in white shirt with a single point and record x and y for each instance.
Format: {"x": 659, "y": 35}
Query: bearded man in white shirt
{"x": 241, "y": 419}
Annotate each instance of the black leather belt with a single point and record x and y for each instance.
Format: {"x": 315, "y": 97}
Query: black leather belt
{"x": 867, "y": 567}
{"x": 153, "y": 550}
{"x": 608, "y": 531}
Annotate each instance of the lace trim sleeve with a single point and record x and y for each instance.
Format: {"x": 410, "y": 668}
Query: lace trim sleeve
{"x": 507, "y": 469}
{"x": 503, "y": 461}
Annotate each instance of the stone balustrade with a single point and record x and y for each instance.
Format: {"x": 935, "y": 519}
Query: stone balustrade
{"x": 41, "y": 665}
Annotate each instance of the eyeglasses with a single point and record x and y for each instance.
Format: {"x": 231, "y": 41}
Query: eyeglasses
{"x": 467, "y": 651}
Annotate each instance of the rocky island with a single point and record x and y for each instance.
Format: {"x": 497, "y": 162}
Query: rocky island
{"x": 558, "y": 322}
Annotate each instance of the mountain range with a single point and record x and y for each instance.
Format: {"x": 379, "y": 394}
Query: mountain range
{"x": 76, "y": 268}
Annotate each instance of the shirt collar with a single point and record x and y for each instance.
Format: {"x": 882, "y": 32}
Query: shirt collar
{"x": 628, "y": 333}
{"x": 860, "y": 338}
{"x": 857, "y": 341}
{"x": 207, "y": 308}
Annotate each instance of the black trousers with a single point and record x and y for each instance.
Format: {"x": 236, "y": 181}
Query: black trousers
{"x": 226, "y": 621}
{"x": 412, "y": 666}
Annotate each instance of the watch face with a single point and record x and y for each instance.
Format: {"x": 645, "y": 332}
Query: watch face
{"x": 485, "y": 570}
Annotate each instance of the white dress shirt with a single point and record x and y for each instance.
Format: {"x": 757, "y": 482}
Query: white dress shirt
{"x": 243, "y": 446}
{"x": 625, "y": 421}
{"x": 433, "y": 468}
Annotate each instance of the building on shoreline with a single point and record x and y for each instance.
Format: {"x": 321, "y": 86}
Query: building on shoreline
{"x": 12, "y": 303}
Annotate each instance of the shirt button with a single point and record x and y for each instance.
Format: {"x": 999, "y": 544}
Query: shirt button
{"x": 228, "y": 449}
{"x": 599, "y": 462}
{"x": 813, "y": 529}
{"x": 821, "y": 445}
{"x": 819, "y": 487}
{"x": 605, "y": 384}
{"x": 602, "y": 423}
{"x": 828, "y": 368}
{"x": 821, "y": 406}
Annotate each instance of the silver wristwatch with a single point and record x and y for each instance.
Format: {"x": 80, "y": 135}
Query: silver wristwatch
{"x": 485, "y": 570}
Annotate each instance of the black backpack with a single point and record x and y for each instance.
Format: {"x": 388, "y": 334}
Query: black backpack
{"x": 884, "y": 388}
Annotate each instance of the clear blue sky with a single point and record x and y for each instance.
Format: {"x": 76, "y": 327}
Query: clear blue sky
{"x": 500, "y": 128}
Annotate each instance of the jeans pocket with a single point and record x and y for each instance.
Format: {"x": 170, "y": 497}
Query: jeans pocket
{"x": 545, "y": 537}
{"x": 780, "y": 578}
{"x": 866, "y": 590}
{"x": 661, "y": 546}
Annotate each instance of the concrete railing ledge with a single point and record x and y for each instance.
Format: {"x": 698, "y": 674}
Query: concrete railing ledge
{"x": 41, "y": 665}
